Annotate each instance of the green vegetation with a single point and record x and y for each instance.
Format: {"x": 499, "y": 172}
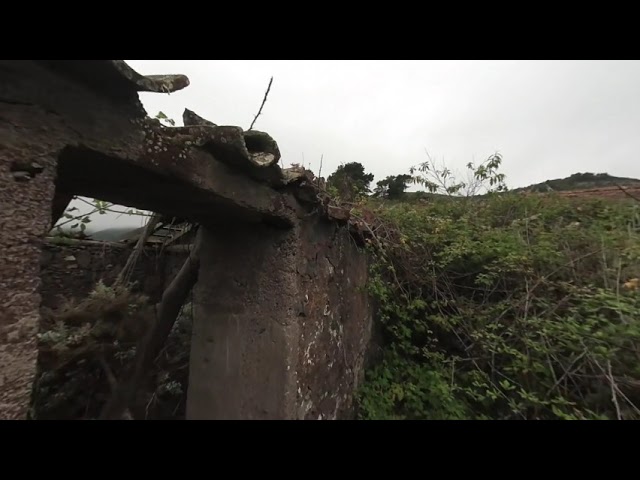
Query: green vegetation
{"x": 349, "y": 182}
{"x": 504, "y": 306}
{"x": 393, "y": 187}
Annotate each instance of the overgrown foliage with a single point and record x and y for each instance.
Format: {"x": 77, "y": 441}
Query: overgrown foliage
{"x": 85, "y": 345}
{"x": 505, "y": 306}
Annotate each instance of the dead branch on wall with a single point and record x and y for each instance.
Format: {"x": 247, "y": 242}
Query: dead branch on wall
{"x": 125, "y": 274}
{"x": 167, "y": 311}
{"x": 82, "y": 342}
{"x": 264, "y": 100}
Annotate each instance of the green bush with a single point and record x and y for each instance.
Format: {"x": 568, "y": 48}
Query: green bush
{"x": 506, "y": 307}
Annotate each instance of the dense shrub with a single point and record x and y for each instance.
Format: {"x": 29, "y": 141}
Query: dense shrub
{"x": 506, "y": 306}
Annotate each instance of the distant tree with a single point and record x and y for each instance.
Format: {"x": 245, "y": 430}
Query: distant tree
{"x": 350, "y": 181}
{"x": 393, "y": 187}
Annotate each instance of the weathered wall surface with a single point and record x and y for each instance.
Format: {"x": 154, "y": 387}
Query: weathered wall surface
{"x": 24, "y": 218}
{"x": 245, "y": 330}
{"x": 32, "y": 134}
{"x": 71, "y": 271}
{"x": 335, "y": 321}
{"x": 281, "y": 324}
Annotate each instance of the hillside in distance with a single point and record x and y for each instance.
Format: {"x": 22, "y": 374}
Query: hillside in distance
{"x": 581, "y": 181}
{"x": 578, "y": 184}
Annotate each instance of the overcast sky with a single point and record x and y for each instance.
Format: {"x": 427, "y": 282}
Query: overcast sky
{"x": 548, "y": 119}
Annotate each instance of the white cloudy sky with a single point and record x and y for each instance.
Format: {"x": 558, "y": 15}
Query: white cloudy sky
{"x": 549, "y": 119}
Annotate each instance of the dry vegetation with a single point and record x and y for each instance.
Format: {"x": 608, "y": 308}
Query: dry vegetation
{"x": 88, "y": 346}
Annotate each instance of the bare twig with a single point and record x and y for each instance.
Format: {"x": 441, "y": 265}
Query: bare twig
{"x": 146, "y": 410}
{"x": 109, "y": 209}
{"x": 113, "y": 383}
{"x": 150, "y": 346}
{"x": 614, "y": 387}
{"x": 453, "y": 371}
{"x": 618, "y": 283}
{"x": 604, "y": 263}
{"x": 614, "y": 397}
{"x": 125, "y": 274}
{"x": 567, "y": 372}
{"x": 630, "y": 195}
{"x": 264, "y": 100}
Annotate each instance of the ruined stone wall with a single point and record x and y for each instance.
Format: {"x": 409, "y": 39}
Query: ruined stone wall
{"x": 71, "y": 271}
{"x": 36, "y": 109}
{"x": 269, "y": 341}
{"x": 27, "y": 173}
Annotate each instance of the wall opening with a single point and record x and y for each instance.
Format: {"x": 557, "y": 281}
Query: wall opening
{"x": 90, "y": 327}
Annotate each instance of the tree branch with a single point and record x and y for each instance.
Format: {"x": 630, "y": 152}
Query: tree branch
{"x": 113, "y": 383}
{"x": 264, "y": 100}
{"x": 124, "y": 274}
{"x": 167, "y": 311}
{"x": 630, "y": 195}
{"x": 614, "y": 397}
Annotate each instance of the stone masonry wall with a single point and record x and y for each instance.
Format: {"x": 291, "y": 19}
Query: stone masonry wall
{"x": 27, "y": 173}
{"x": 71, "y": 271}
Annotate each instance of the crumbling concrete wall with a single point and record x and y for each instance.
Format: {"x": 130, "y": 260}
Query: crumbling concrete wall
{"x": 281, "y": 323}
{"x": 335, "y": 321}
{"x": 245, "y": 329}
{"x": 33, "y": 132}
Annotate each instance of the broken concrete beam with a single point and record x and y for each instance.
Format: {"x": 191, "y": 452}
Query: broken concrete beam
{"x": 117, "y": 74}
{"x": 253, "y": 153}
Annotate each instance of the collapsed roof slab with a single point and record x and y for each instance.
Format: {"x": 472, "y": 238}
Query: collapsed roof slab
{"x": 87, "y": 114}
